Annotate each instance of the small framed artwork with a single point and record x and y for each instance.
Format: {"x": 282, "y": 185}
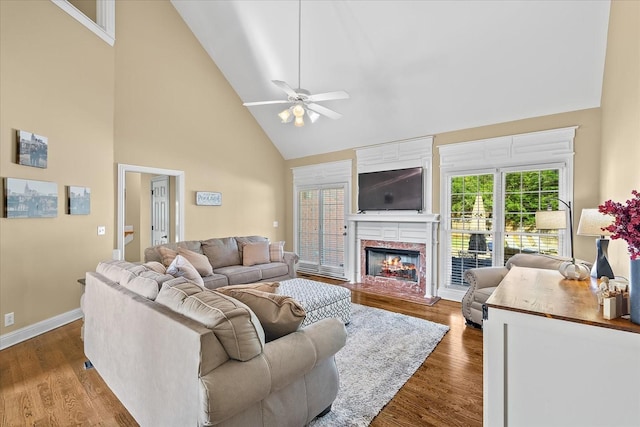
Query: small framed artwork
{"x": 33, "y": 150}
{"x": 26, "y": 198}
{"x": 208, "y": 198}
{"x": 78, "y": 200}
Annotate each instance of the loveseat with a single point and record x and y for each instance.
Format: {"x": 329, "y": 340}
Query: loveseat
{"x": 189, "y": 356}
{"x": 484, "y": 280}
{"x": 229, "y": 263}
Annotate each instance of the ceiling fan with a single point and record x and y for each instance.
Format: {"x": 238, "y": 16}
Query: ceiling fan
{"x": 301, "y": 100}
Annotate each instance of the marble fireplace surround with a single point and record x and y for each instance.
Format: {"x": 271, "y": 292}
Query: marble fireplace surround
{"x": 414, "y": 232}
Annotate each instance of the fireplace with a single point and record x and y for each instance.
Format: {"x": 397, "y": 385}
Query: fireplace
{"x": 399, "y": 264}
{"x": 412, "y": 238}
{"x": 396, "y": 268}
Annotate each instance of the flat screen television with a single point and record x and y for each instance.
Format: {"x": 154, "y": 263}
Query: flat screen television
{"x": 399, "y": 189}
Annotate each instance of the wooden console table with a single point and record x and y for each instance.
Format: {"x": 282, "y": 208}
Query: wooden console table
{"x": 551, "y": 359}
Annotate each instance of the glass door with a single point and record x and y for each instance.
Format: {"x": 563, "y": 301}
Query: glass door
{"x": 321, "y": 230}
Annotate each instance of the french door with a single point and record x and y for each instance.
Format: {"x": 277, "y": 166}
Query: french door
{"x": 321, "y": 229}
{"x": 491, "y": 216}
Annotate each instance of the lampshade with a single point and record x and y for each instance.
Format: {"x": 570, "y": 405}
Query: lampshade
{"x": 285, "y": 115}
{"x": 313, "y": 116}
{"x": 592, "y": 223}
{"x": 299, "y": 121}
{"x": 551, "y": 220}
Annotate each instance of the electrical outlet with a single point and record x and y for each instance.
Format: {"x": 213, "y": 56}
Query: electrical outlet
{"x": 102, "y": 230}
{"x": 275, "y": 224}
{"x": 8, "y": 319}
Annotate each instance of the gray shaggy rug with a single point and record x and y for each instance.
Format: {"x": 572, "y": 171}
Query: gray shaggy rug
{"x": 383, "y": 350}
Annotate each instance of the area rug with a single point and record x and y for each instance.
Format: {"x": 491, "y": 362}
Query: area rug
{"x": 383, "y": 350}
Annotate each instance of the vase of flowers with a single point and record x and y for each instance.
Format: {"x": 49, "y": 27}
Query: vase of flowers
{"x": 627, "y": 226}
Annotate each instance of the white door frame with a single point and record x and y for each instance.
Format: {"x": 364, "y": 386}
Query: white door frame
{"x": 120, "y": 208}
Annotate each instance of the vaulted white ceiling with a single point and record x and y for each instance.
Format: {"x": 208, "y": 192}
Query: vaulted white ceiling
{"x": 412, "y": 68}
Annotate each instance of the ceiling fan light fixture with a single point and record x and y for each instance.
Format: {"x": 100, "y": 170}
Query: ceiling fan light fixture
{"x": 299, "y": 121}
{"x": 313, "y": 116}
{"x": 298, "y": 110}
{"x": 285, "y": 115}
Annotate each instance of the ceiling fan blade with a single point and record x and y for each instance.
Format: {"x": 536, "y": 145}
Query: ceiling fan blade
{"x": 324, "y": 111}
{"x": 250, "y": 104}
{"x": 328, "y": 96}
{"x": 286, "y": 88}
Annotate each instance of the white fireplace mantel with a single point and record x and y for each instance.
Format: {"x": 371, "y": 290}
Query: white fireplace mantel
{"x": 390, "y": 227}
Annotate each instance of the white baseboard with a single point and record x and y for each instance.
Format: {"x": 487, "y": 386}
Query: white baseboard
{"x": 28, "y": 332}
{"x": 451, "y": 294}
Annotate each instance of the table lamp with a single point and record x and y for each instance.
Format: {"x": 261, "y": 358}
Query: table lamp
{"x": 592, "y": 223}
{"x": 557, "y": 220}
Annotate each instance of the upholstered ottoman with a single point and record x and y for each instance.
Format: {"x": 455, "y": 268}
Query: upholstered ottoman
{"x": 319, "y": 300}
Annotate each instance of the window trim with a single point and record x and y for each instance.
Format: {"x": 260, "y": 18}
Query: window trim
{"x": 105, "y": 27}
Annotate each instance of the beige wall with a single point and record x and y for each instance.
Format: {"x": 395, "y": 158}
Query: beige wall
{"x": 620, "y": 165}
{"x": 57, "y": 80}
{"x": 132, "y": 214}
{"x": 154, "y": 99}
{"x": 175, "y": 110}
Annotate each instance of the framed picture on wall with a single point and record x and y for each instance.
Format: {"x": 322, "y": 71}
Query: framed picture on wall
{"x": 26, "y": 198}
{"x": 78, "y": 200}
{"x": 33, "y": 150}
{"x": 208, "y": 198}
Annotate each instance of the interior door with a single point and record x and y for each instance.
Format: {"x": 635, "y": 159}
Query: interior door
{"x": 321, "y": 230}
{"x": 159, "y": 210}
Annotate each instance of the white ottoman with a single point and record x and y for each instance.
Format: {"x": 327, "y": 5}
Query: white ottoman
{"x": 319, "y": 300}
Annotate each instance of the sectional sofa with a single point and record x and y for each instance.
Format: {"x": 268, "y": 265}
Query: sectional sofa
{"x": 177, "y": 354}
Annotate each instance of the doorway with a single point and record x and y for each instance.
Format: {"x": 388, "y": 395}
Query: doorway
{"x": 176, "y": 224}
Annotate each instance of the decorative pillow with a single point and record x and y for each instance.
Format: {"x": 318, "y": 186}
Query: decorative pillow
{"x": 243, "y": 240}
{"x": 234, "y": 324}
{"x": 255, "y": 253}
{"x": 271, "y": 287}
{"x": 276, "y": 251}
{"x": 199, "y": 261}
{"x": 168, "y": 255}
{"x": 180, "y": 267}
{"x": 155, "y": 266}
{"x": 279, "y": 314}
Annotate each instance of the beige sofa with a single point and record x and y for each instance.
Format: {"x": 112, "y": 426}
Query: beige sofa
{"x": 189, "y": 356}
{"x": 484, "y": 280}
{"x": 229, "y": 265}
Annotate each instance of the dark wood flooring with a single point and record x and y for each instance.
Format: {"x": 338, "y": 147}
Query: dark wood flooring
{"x": 43, "y": 381}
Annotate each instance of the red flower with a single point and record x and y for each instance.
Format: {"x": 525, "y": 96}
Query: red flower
{"x": 627, "y": 222}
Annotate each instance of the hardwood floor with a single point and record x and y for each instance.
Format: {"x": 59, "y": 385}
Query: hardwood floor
{"x": 43, "y": 381}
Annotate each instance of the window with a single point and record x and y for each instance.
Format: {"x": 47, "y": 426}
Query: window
{"x": 488, "y": 215}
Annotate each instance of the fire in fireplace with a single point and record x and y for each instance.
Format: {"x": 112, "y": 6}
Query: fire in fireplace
{"x": 397, "y": 264}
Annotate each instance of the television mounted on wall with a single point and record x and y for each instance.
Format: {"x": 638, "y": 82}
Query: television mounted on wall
{"x": 399, "y": 189}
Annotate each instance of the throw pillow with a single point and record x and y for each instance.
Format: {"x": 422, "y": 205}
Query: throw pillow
{"x": 255, "y": 253}
{"x": 276, "y": 251}
{"x": 279, "y": 315}
{"x": 168, "y": 255}
{"x": 199, "y": 261}
{"x": 180, "y": 267}
{"x": 271, "y": 287}
{"x": 234, "y": 324}
{"x": 155, "y": 266}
